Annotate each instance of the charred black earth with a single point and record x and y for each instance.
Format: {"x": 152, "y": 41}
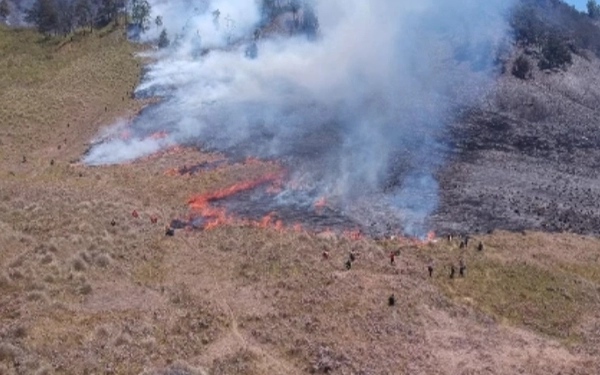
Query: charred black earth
{"x": 529, "y": 157}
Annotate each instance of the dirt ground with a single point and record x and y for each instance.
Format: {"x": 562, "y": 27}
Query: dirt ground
{"x": 79, "y": 295}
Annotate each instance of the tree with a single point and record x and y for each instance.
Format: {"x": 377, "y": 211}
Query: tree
{"x": 43, "y": 15}
{"x": 108, "y": 11}
{"x": 140, "y": 14}
{"x": 163, "y": 39}
{"x": 593, "y": 9}
{"x": 158, "y": 21}
{"x": 65, "y": 12}
{"x": 4, "y": 9}
{"x": 84, "y": 14}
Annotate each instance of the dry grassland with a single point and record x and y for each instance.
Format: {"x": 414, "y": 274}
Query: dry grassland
{"x": 80, "y": 296}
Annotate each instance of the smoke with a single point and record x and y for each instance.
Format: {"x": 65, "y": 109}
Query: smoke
{"x": 358, "y": 109}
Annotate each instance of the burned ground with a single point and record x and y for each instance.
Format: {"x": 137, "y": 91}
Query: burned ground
{"x": 528, "y": 157}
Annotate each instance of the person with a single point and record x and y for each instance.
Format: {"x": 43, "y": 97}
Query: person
{"x": 135, "y": 214}
{"x": 352, "y": 257}
{"x": 462, "y": 268}
{"x": 430, "y": 269}
{"x": 392, "y": 257}
{"x": 392, "y": 300}
{"x": 480, "y": 246}
{"x": 113, "y": 222}
{"x": 325, "y": 255}
{"x": 348, "y": 264}
{"x": 452, "y": 271}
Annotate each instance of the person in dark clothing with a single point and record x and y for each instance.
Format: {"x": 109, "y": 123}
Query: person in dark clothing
{"x": 480, "y": 246}
{"x": 430, "y": 270}
{"x": 348, "y": 264}
{"x": 452, "y": 271}
{"x": 392, "y": 258}
{"x": 392, "y": 300}
{"x": 113, "y": 222}
{"x": 351, "y": 257}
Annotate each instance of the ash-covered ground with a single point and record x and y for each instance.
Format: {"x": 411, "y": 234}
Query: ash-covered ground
{"x": 529, "y": 158}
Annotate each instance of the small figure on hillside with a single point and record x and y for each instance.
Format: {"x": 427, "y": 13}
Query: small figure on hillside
{"x": 105, "y": 109}
{"x": 392, "y": 258}
{"x": 392, "y": 300}
{"x": 480, "y": 246}
{"x": 452, "y": 271}
{"x": 352, "y": 257}
{"x": 52, "y": 162}
{"x": 348, "y": 264}
{"x": 113, "y": 222}
{"x": 170, "y": 232}
{"x": 24, "y": 159}
{"x": 467, "y": 238}
{"x": 430, "y": 270}
{"x": 325, "y": 255}
{"x": 462, "y": 268}
{"x": 135, "y": 214}
{"x": 462, "y": 245}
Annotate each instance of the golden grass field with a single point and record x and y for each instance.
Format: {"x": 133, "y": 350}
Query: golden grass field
{"x": 79, "y": 296}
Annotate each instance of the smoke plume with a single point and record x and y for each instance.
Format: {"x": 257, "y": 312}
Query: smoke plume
{"x": 357, "y": 107}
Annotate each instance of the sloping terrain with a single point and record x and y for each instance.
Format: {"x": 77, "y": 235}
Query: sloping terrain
{"x": 528, "y": 157}
{"x": 81, "y": 295}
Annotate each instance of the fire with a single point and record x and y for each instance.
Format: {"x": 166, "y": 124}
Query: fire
{"x": 218, "y": 216}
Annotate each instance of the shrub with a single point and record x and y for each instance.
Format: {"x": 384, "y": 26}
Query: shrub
{"x": 555, "y": 53}
{"x": 522, "y": 68}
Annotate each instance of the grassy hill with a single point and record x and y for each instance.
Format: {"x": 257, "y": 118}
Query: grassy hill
{"x": 81, "y": 296}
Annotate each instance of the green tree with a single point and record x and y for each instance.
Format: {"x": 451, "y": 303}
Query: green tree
{"x": 43, "y": 14}
{"x": 140, "y": 14}
{"x": 593, "y": 9}
{"x": 4, "y": 9}
{"x": 163, "y": 39}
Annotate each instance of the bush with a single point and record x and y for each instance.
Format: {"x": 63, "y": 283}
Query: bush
{"x": 555, "y": 53}
{"x": 522, "y": 68}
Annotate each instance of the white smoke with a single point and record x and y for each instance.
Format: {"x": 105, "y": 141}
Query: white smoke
{"x": 365, "y": 103}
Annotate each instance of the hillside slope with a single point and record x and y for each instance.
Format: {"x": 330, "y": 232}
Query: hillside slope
{"x": 528, "y": 157}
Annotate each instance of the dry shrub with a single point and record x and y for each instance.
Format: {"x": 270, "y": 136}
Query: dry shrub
{"x": 44, "y": 370}
{"x": 78, "y": 264}
{"x": 241, "y": 362}
{"x": 123, "y": 339}
{"x": 85, "y": 256}
{"x": 8, "y": 352}
{"x": 179, "y": 368}
{"x": 46, "y": 259}
{"x": 37, "y": 296}
{"x": 103, "y": 260}
{"x": 84, "y": 289}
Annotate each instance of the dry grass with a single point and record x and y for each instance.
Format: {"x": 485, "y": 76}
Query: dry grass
{"x": 78, "y": 295}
